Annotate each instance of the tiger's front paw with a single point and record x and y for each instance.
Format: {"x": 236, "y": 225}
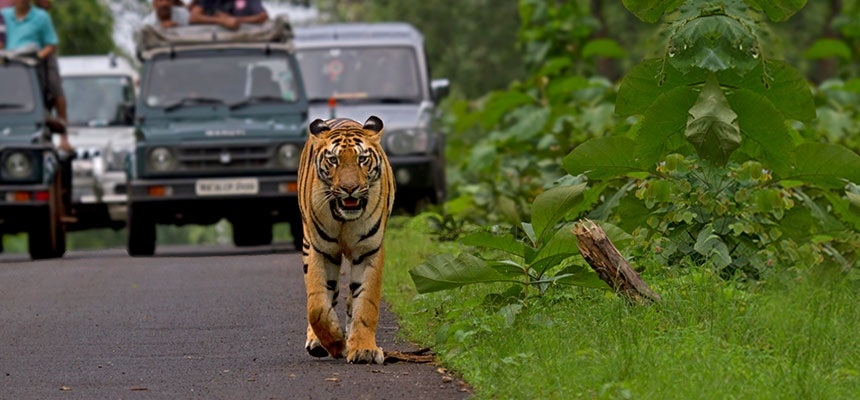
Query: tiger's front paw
{"x": 365, "y": 356}
{"x": 315, "y": 348}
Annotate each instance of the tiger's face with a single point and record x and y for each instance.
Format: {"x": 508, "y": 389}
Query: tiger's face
{"x": 348, "y": 164}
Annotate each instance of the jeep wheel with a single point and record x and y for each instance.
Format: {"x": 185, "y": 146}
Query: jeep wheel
{"x": 252, "y": 233}
{"x": 141, "y": 231}
{"x": 47, "y": 237}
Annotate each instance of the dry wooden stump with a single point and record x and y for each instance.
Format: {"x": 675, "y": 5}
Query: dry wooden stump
{"x": 612, "y": 268}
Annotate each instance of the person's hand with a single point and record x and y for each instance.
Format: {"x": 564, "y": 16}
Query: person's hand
{"x": 229, "y": 22}
{"x": 64, "y": 144}
{"x": 168, "y": 24}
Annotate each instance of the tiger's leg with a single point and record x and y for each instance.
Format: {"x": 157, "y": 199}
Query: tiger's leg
{"x": 365, "y": 294}
{"x": 324, "y": 336}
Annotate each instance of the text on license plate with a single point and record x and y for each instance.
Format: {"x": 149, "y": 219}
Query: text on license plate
{"x": 210, "y": 187}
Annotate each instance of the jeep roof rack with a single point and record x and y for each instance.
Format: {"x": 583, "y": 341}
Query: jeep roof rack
{"x": 25, "y": 55}
{"x": 152, "y": 37}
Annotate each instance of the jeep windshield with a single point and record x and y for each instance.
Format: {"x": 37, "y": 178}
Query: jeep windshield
{"x": 16, "y": 97}
{"x": 361, "y": 74}
{"x": 237, "y": 80}
{"x": 97, "y": 100}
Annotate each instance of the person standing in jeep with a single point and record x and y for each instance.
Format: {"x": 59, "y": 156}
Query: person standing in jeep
{"x": 26, "y": 25}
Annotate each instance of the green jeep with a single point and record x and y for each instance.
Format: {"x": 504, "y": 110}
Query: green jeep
{"x": 220, "y": 123}
{"x": 31, "y": 184}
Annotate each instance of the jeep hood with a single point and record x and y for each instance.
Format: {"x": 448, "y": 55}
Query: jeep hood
{"x": 394, "y": 116}
{"x": 118, "y": 137}
{"x": 226, "y": 129}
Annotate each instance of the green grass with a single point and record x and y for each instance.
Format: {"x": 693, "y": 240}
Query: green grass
{"x": 787, "y": 338}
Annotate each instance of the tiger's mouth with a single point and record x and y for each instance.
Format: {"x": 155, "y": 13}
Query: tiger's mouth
{"x": 348, "y": 208}
{"x": 351, "y": 204}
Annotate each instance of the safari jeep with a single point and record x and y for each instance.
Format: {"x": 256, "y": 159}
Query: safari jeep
{"x": 100, "y": 92}
{"x": 31, "y": 192}
{"x": 220, "y": 123}
{"x": 356, "y": 70}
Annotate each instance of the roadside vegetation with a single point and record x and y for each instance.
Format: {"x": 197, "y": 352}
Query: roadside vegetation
{"x": 723, "y": 163}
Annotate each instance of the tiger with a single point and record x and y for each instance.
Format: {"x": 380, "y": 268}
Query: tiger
{"x": 346, "y": 193}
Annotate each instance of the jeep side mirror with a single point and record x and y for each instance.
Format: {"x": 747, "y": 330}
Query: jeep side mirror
{"x": 126, "y": 113}
{"x": 440, "y": 88}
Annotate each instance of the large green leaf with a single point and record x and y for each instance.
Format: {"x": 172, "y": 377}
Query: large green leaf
{"x": 765, "y": 135}
{"x": 712, "y": 246}
{"x": 663, "y": 125}
{"x": 542, "y": 265}
{"x": 714, "y": 42}
{"x": 828, "y": 48}
{"x": 602, "y": 158}
{"x": 551, "y": 206}
{"x": 563, "y": 241}
{"x": 651, "y": 10}
{"x": 505, "y": 243}
{"x": 824, "y": 164}
{"x": 445, "y": 271}
{"x": 649, "y": 79}
{"x": 780, "y": 83}
{"x": 845, "y": 209}
{"x": 579, "y": 275}
{"x": 712, "y": 125}
{"x": 604, "y": 47}
{"x": 778, "y": 10}
{"x": 498, "y": 104}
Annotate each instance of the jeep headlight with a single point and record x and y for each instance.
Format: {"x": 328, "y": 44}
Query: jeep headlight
{"x": 408, "y": 141}
{"x": 18, "y": 165}
{"x": 288, "y": 156}
{"x": 115, "y": 159}
{"x": 161, "y": 159}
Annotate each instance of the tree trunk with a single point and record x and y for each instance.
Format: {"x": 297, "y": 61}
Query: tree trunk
{"x": 605, "y": 259}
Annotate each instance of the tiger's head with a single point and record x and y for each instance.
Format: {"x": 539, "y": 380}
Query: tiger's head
{"x": 348, "y": 163}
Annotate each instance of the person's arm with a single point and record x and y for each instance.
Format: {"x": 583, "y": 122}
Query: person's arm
{"x": 254, "y": 19}
{"x": 199, "y": 17}
{"x": 256, "y": 13}
{"x": 46, "y": 51}
{"x": 49, "y": 37}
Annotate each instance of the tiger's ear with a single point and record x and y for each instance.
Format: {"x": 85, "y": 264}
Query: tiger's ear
{"x": 373, "y": 124}
{"x": 318, "y": 126}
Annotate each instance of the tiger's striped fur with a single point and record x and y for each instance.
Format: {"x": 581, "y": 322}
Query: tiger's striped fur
{"x": 346, "y": 193}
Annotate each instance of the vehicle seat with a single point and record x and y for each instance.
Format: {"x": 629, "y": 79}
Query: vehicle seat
{"x": 262, "y": 83}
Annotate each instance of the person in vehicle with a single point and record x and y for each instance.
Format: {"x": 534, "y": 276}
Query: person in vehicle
{"x": 228, "y": 13}
{"x": 167, "y": 14}
{"x": 27, "y": 25}
{"x": 3, "y": 4}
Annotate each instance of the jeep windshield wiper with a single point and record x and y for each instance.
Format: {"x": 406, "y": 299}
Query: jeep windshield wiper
{"x": 11, "y": 105}
{"x": 255, "y": 100}
{"x": 191, "y": 101}
{"x": 362, "y": 100}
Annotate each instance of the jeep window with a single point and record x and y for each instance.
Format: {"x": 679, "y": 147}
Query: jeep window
{"x": 97, "y": 100}
{"x": 232, "y": 79}
{"x": 375, "y": 74}
{"x": 17, "y": 94}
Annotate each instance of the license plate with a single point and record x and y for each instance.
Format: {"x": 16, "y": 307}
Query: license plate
{"x": 212, "y": 187}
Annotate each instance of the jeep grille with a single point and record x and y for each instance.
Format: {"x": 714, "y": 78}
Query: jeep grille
{"x": 225, "y": 157}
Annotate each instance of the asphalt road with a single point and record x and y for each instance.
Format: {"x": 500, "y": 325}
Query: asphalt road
{"x": 209, "y": 323}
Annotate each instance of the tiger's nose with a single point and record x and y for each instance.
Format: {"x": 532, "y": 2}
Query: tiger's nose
{"x": 350, "y": 190}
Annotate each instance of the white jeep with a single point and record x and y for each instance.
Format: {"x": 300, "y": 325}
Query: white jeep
{"x": 100, "y": 92}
